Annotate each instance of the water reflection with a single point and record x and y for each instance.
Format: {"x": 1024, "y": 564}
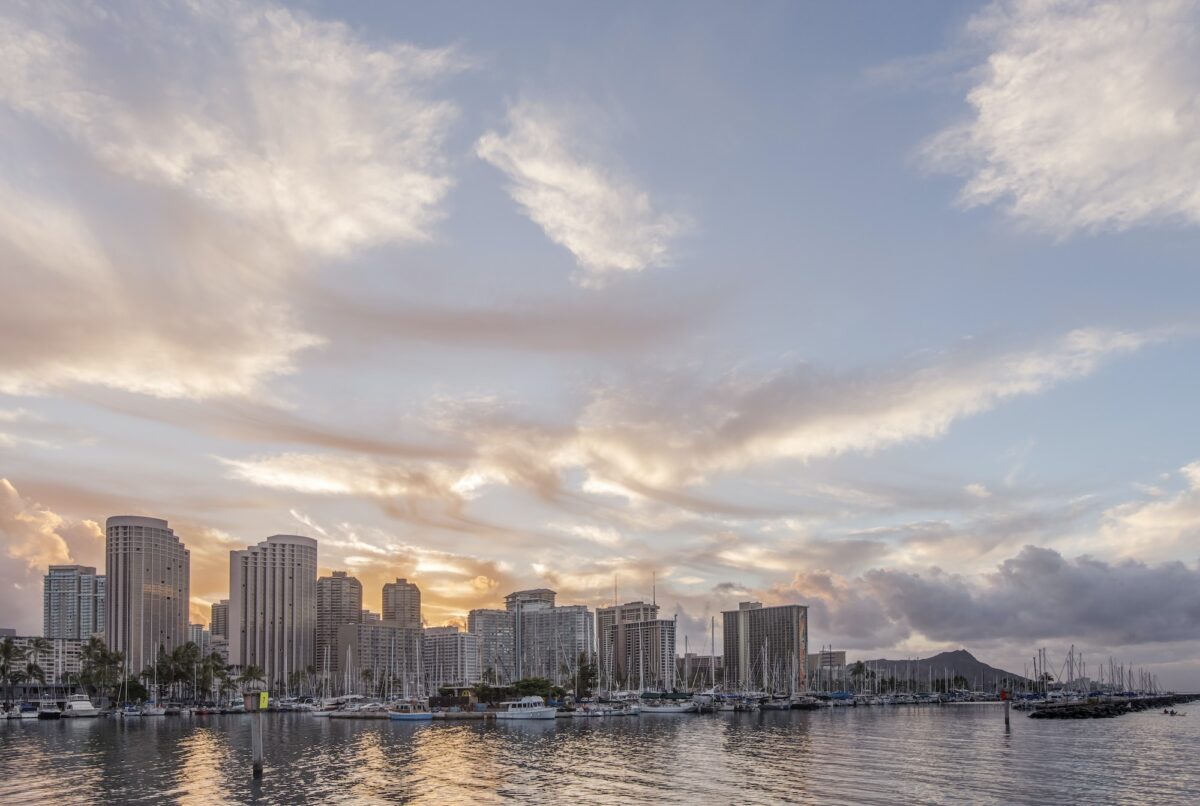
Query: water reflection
{"x": 878, "y": 755}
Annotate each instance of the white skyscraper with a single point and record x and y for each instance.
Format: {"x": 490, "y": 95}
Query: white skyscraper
{"x": 147, "y": 589}
{"x": 273, "y": 606}
{"x": 73, "y": 602}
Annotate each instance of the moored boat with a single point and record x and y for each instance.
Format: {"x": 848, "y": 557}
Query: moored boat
{"x": 526, "y": 708}
{"x": 78, "y": 705}
{"x": 415, "y": 711}
{"x": 48, "y": 709}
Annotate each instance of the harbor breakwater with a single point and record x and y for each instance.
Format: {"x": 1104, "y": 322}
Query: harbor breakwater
{"x": 1106, "y": 709}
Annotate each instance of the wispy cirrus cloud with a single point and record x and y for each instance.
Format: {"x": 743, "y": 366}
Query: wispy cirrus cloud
{"x": 1084, "y": 115}
{"x": 173, "y": 189}
{"x": 597, "y": 212}
{"x": 647, "y": 442}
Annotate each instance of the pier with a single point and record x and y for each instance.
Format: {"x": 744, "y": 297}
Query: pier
{"x": 1106, "y": 709}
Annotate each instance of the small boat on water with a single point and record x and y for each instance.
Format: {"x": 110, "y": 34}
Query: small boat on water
{"x": 48, "y": 709}
{"x": 526, "y": 708}
{"x": 153, "y": 709}
{"x": 414, "y": 711}
{"x": 595, "y": 709}
{"x": 25, "y": 710}
{"x": 668, "y": 707}
{"x": 130, "y": 711}
{"x": 78, "y": 705}
{"x": 776, "y": 704}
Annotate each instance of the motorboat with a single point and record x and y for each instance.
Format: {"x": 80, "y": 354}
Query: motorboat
{"x": 78, "y": 705}
{"x": 25, "y": 710}
{"x": 410, "y": 712}
{"x": 526, "y": 708}
{"x": 130, "y": 711}
{"x": 153, "y": 709}
{"x": 48, "y": 709}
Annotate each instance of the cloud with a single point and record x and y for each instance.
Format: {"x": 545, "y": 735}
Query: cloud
{"x": 158, "y": 200}
{"x": 1036, "y": 595}
{"x": 640, "y": 443}
{"x": 601, "y": 216}
{"x": 1168, "y": 526}
{"x": 1084, "y": 116}
{"x": 681, "y": 428}
{"x": 33, "y": 538}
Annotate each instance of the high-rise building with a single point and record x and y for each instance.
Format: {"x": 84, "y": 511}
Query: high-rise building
{"x": 73, "y": 602}
{"x": 640, "y": 654}
{"x": 549, "y": 640}
{"x": 766, "y": 648}
{"x": 378, "y": 657}
{"x": 617, "y": 614}
{"x": 219, "y": 624}
{"x": 273, "y": 606}
{"x": 147, "y": 589}
{"x": 519, "y": 599}
{"x": 339, "y": 601}
{"x": 450, "y": 657}
{"x": 496, "y": 632}
{"x": 199, "y": 635}
{"x": 368, "y": 616}
{"x": 402, "y": 603}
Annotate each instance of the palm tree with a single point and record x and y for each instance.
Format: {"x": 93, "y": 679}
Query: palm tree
{"x": 857, "y": 672}
{"x": 252, "y": 674}
{"x": 33, "y": 655}
{"x": 368, "y": 676}
{"x": 9, "y": 655}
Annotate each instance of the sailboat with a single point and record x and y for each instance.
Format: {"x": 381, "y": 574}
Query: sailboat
{"x": 152, "y": 708}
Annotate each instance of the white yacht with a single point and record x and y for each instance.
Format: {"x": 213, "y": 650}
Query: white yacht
{"x": 153, "y": 709}
{"x": 526, "y": 708}
{"x": 79, "y": 705}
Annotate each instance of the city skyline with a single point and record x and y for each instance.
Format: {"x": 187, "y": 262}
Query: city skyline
{"x": 876, "y": 309}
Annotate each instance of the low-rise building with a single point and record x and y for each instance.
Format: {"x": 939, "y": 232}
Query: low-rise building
{"x": 60, "y": 663}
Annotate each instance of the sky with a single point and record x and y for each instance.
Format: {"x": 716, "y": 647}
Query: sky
{"x": 889, "y": 309}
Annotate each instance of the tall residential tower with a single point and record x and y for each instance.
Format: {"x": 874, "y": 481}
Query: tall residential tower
{"x": 273, "y": 606}
{"x": 73, "y": 602}
{"x": 339, "y": 601}
{"x": 147, "y": 589}
{"x": 402, "y": 603}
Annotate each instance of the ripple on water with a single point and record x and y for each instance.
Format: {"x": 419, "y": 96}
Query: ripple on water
{"x": 851, "y": 755}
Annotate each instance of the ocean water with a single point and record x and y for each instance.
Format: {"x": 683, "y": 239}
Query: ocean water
{"x": 899, "y": 754}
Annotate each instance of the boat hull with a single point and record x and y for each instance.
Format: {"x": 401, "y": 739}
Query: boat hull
{"x": 529, "y": 713}
{"x": 423, "y": 717}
